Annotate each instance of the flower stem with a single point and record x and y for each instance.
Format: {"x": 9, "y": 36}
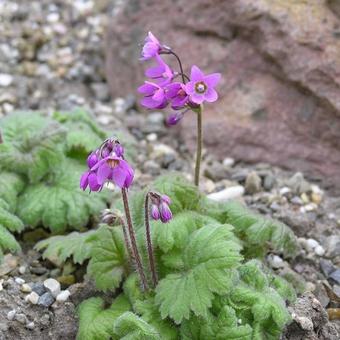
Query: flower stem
{"x": 1, "y": 141}
{"x": 199, "y": 145}
{"x": 149, "y": 242}
{"x": 135, "y": 251}
{"x": 180, "y": 65}
{"x": 127, "y": 242}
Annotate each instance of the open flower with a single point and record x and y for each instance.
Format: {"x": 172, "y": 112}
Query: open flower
{"x": 151, "y": 47}
{"x": 176, "y": 94}
{"x": 162, "y": 73}
{"x": 154, "y": 95}
{"x": 114, "y": 169}
{"x": 201, "y": 87}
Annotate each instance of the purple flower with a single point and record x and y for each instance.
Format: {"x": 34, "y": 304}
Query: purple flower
{"x": 161, "y": 73}
{"x": 92, "y": 159}
{"x": 151, "y": 47}
{"x": 201, "y": 87}
{"x": 118, "y": 150}
{"x": 160, "y": 207}
{"x": 89, "y": 179}
{"x": 176, "y": 94}
{"x": 114, "y": 169}
{"x": 154, "y": 96}
{"x": 174, "y": 118}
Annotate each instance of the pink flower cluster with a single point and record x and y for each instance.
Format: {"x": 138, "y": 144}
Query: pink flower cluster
{"x": 107, "y": 164}
{"x": 163, "y": 89}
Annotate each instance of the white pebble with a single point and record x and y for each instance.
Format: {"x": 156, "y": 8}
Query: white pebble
{"x": 228, "y": 162}
{"x": 32, "y": 298}
{"x": 319, "y": 250}
{"x": 30, "y": 325}
{"x": 275, "y": 261}
{"x": 311, "y": 244}
{"x": 152, "y": 137}
{"x": 310, "y": 207}
{"x": 63, "y": 296}
{"x": 227, "y": 194}
{"x": 284, "y": 191}
{"x": 19, "y": 280}
{"x": 11, "y": 314}
{"x": 53, "y": 286}
{"x": 5, "y": 79}
{"x": 25, "y": 288}
{"x": 22, "y": 269}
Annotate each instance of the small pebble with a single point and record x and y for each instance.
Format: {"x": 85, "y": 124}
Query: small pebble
{"x": 11, "y": 315}
{"x": 5, "y": 79}
{"x": 228, "y": 162}
{"x": 311, "y": 244}
{"x": 21, "y": 318}
{"x": 335, "y": 276}
{"x": 253, "y": 183}
{"x": 19, "y": 280}
{"x": 227, "y": 194}
{"x": 296, "y": 200}
{"x": 284, "y": 191}
{"x": 304, "y": 198}
{"x": 53, "y": 286}
{"x": 33, "y": 298}
{"x": 30, "y": 325}
{"x": 275, "y": 261}
{"x": 46, "y": 299}
{"x": 25, "y": 288}
{"x": 39, "y": 288}
{"x": 63, "y": 296}
{"x": 152, "y": 137}
{"x": 319, "y": 250}
{"x": 22, "y": 269}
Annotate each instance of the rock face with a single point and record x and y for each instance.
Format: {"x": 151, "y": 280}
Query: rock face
{"x": 280, "y": 61}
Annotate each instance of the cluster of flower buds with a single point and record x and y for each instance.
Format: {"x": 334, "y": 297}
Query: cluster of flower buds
{"x": 107, "y": 164}
{"x": 162, "y": 89}
{"x": 160, "y": 209}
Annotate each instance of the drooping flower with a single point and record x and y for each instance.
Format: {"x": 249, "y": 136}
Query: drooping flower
{"x": 160, "y": 207}
{"x": 114, "y": 169}
{"x": 151, "y": 47}
{"x": 174, "y": 118}
{"x": 89, "y": 179}
{"x": 200, "y": 88}
{"x": 162, "y": 73}
{"x": 176, "y": 94}
{"x": 154, "y": 96}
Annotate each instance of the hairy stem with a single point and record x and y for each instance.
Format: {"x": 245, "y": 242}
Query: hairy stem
{"x": 127, "y": 242}
{"x": 149, "y": 242}
{"x": 135, "y": 251}
{"x": 1, "y": 140}
{"x": 199, "y": 145}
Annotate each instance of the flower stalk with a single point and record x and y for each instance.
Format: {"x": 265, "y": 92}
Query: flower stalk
{"x": 199, "y": 145}
{"x": 149, "y": 241}
{"x": 132, "y": 235}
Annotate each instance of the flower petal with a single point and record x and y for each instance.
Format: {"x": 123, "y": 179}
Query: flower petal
{"x": 93, "y": 182}
{"x": 197, "y": 98}
{"x": 196, "y": 74}
{"x": 211, "y": 95}
{"x": 212, "y": 79}
{"x": 149, "y": 103}
{"x": 154, "y": 72}
{"x": 190, "y": 87}
{"x": 171, "y": 90}
{"x": 158, "y": 95}
{"x": 103, "y": 173}
{"x": 84, "y": 182}
{"x": 147, "y": 88}
{"x": 119, "y": 176}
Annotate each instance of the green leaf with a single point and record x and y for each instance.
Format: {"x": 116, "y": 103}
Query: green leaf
{"x": 60, "y": 202}
{"x": 96, "y": 323}
{"x": 108, "y": 257}
{"x": 10, "y": 221}
{"x": 131, "y": 327}
{"x": 148, "y": 310}
{"x": 60, "y": 248}
{"x": 10, "y": 187}
{"x": 258, "y": 231}
{"x": 7, "y": 241}
{"x": 209, "y": 259}
{"x": 31, "y": 144}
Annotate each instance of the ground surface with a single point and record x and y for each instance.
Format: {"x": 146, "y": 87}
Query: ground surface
{"x": 51, "y": 59}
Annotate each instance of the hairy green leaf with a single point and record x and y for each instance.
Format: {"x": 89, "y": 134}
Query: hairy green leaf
{"x": 60, "y": 203}
{"x": 10, "y": 187}
{"x": 108, "y": 257}
{"x": 31, "y": 145}
{"x": 7, "y": 241}
{"x": 60, "y": 248}
{"x": 10, "y": 221}
{"x": 209, "y": 259}
{"x": 129, "y": 326}
{"x": 96, "y": 323}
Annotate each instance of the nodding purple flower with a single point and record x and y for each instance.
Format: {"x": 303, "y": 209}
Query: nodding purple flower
{"x": 200, "y": 88}
{"x": 162, "y": 73}
{"x": 160, "y": 207}
{"x": 154, "y": 95}
{"x": 176, "y": 94}
{"x": 107, "y": 164}
{"x": 174, "y": 118}
{"x": 151, "y": 47}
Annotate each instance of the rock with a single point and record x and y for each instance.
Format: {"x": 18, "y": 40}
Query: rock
{"x": 269, "y": 182}
{"x": 101, "y": 91}
{"x": 335, "y": 276}
{"x": 311, "y": 244}
{"x": 22, "y": 318}
{"x": 332, "y": 245}
{"x": 298, "y": 184}
{"x": 67, "y": 280}
{"x": 19, "y": 280}
{"x": 316, "y": 198}
{"x": 228, "y": 162}
{"x": 11, "y": 315}
{"x": 285, "y": 191}
{"x": 151, "y": 167}
{"x": 227, "y": 194}
{"x": 304, "y": 198}
{"x": 275, "y": 261}
{"x": 8, "y": 264}
{"x": 5, "y": 80}
{"x": 33, "y": 298}
{"x": 296, "y": 200}
{"x": 63, "y": 296}
{"x": 25, "y": 288}
{"x": 39, "y": 288}
{"x": 46, "y": 299}
{"x": 327, "y": 267}
{"x": 216, "y": 172}
{"x": 253, "y": 183}
{"x": 152, "y": 137}
{"x": 319, "y": 250}
{"x": 30, "y": 325}
{"x": 53, "y": 286}
{"x": 22, "y": 269}
{"x": 264, "y": 114}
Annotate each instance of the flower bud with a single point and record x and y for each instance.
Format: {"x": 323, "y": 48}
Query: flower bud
{"x": 92, "y": 160}
{"x": 174, "y": 118}
{"x": 119, "y": 150}
{"x": 155, "y": 214}
{"x": 165, "y": 212}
